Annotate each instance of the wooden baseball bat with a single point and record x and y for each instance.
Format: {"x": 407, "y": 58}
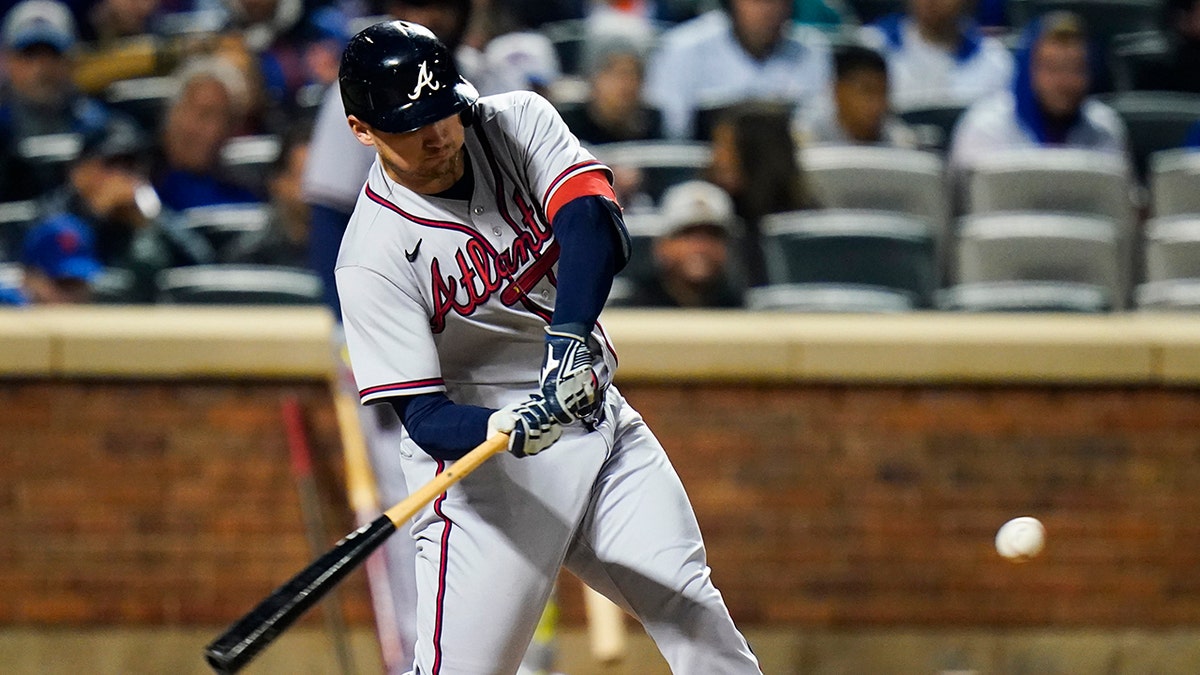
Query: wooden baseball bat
{"x": 605, "y": 627}
{"x": 242, "y": 641}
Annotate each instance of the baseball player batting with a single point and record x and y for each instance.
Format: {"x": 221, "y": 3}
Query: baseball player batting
{"x": 479, "y": 255}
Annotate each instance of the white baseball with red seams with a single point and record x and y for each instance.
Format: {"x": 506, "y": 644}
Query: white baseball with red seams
{"x": 454, "y": 295}
{"x": 1021, "y": 539}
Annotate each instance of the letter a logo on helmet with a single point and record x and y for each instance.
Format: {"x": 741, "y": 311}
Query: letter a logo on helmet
{"x": 397, "y": 77}
{"x": 424, "y": 79}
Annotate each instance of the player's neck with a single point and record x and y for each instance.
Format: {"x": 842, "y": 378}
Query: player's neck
{"x": 427, "y": 183}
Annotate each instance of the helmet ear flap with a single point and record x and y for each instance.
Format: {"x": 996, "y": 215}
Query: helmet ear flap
{"x": 467, "y": 115}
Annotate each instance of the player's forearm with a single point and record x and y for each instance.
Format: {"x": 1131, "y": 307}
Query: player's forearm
{"x": 589, "y": 233}
{"x": 442, "y": 428}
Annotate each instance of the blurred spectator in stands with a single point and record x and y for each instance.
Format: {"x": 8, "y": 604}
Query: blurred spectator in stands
{"x": 859, "y": 113}
{"x": 42, "y": 117}
{"x": 1048, "y": 105}
{"x": 691, "y": 254}
{"x": 754, "y": 160}
{"x": 284, "y": 241}
{"x": 936, "y": 55}
{"x": 338, "y": 164}
{"x": 499, "y": 53}
{"x": 58, "y": 264}
{"x": 828, "y": 15}
{"x": 112, "y": 20}
{"x": 748, "y": 50}
{"x": 108, "y": 191}
{"x": 614, "y": 110}
{"x": 1175, "y": 65}
{"x": 296, "y": 52}
{"x": 205, "y": 114}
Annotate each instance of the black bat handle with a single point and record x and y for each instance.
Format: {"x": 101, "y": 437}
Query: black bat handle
{"x": 234, "y": 648}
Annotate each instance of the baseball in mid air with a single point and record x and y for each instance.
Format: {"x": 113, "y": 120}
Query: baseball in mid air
{"x": 1021, "y": 539}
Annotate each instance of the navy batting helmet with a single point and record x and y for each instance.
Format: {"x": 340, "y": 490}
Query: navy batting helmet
{"x": 397, "y": 77}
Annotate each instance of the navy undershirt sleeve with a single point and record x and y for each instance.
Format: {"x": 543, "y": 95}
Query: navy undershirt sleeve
{"x": 593, "y": 247}
{"x": 442, "y": 428}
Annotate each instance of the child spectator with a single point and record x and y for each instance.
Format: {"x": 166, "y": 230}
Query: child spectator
{"x": 859, "y": 114}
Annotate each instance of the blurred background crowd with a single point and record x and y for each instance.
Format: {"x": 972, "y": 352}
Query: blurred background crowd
{"x": 807, "y": 155}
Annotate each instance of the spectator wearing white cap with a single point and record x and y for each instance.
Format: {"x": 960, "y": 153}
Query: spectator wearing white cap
{"x": 691, "y": 253}
{"x": 43, "y": 120}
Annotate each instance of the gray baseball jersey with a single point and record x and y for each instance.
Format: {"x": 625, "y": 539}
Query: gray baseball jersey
{"x": 452, "y": 295}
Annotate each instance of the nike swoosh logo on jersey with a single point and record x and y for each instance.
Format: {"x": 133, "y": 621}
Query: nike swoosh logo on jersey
{"x": 412, "y": 256}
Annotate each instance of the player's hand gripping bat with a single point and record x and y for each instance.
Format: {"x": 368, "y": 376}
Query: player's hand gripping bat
{"x": 242, "y": 641}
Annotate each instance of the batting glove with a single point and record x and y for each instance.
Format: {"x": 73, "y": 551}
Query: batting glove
{"x": 567, "y": 380}
{"x": 529, "y": 425}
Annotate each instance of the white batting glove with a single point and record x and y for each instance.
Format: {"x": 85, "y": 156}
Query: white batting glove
{"x": 567, "y": 380}
{"x": 530, "y": 426}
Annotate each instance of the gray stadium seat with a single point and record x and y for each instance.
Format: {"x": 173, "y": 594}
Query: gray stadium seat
{"x": 1172, "y": 264}
{"x": 1025, "y": 296}
{"x": 1057, "y": 180}
{"x": 911, "y": 182}
{"x": 145, "y": 99}
{"x": 1018, "y": 261}
{"x": 1171, "y": 294}
{"x": 11, "y": 274}
{"x": 238, "y": 285}
{"x": 1053, "y": 179}
{"x": 1174, "y": 177}
{"x": 1156, "y": 120}
{"x": 859, "y": 251}
{"x": 15, "y": 219}
{"x": 221, "y": 224}
{"x": 662, "y": 163}
{"x": 1173, "y": 248}
{"x": 933, "y": 124}
{"x": 113, "y": 286}
{"x": 839, "y": 298}
{"x": 247, "y": 160}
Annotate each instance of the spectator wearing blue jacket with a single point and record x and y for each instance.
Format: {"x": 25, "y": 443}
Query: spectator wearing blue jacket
{"x": 1048, "y": 105}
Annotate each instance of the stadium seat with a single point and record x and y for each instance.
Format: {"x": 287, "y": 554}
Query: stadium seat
{"x": 662, "y": 163}
{"x": 1157, "y": 120}
{"x": 1170, "y": 294}
{"x": 840, "y": 298}
{"x": 1054, "y": 180}
{"x": 911, "y": 182}
{"x": 113, "y": 286}
{"x": 221, "y": 224}
{"x": 1137, "y": 58}
{"x": 569, "y": 38}
{"x": 238, "y": 285}
{"x": 859, "y": 252}
{"x": 1173, "y": 248}
{"x": 15, "y": 219}
{"x": 1174, "y": 177}
{"x": 1037, "y": 261}
{"x": 933, "y": 124}
{"x": 247, "y": 160}
{"x": 145, "y": 99}
{"x": 1025, "y": 296}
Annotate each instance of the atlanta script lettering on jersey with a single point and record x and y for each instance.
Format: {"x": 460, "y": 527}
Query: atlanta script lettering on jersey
{"x": 481, "y": 270}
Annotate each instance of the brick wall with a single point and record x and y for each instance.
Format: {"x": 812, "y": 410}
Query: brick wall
{"x": 821, "y": 505}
